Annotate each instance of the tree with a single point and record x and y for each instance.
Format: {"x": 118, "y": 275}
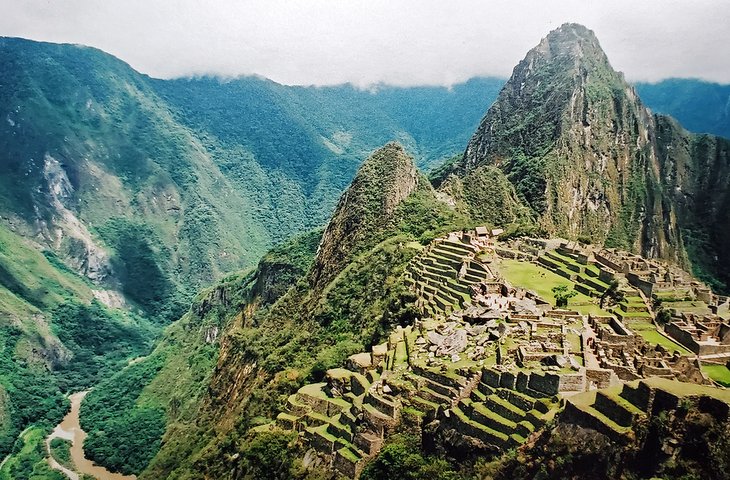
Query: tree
{"x": 612, "y": 293}
{"x": 562, "y": 295}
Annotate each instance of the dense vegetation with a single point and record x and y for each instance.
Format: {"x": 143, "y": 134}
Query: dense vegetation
{"x": 181, "y": 181}
{"x": 699, "y": 106}
{"x": 123, "y": 435}
{"x": 402, "y": 457}
{"x": 101, "y": 341}
{"x": 61, "y": 452}
{"x": 29, "y": 459}
{"x": 52, "y": 342}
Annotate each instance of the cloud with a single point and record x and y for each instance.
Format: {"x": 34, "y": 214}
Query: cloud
{"x": 423, "y": 42}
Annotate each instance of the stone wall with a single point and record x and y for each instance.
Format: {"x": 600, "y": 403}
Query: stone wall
{"x": 717, "y": 408}
{"x": 386, "y": 406}
{"x": 346, "y": 466}
{"x": 724, "y": 334}
{"x": 652, "y": 371}
{"x": 607, "y": 262}
{"x": 685, "y": 338}
{"x": 547, "y": 383}
{"x": 572, "y": 414}
{"x": 623, "y": 372}
{"x": 640, "y": 283}
{"x": 682, "y": 336}
{"x": 572, "y": 382}
{"x": 619, "y": 327}
{"x": 491, "y": 377}
{"x": 613, "y": 410}
{"x": 641, "y": 396}
{"x": 516, "y": 317}
{"x": 508, "y": 380}
{"x": 601, "y": 378}
{"x": 663, "y": 400}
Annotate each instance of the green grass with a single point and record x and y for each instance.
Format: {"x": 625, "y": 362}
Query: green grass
{"x": 719, "y": 373}
{"x": 575, "y": 343}
{"x": 541, "y": 281}
{"x": 61, "y": 451}
{"x": 29, "y": 459}
{"x": 27, "y": 277}
{"x": 585, "y": 401}
{"x": 656, "y": 338}
{"x": 348, "y": 454}
{"x": 683, "y": 389}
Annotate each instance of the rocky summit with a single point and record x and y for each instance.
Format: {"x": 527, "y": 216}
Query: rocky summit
{"x": 590, "y": 160}
{"x": 235, "y": 279}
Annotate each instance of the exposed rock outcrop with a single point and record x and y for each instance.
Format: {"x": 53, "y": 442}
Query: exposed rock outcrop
{"x": 590, "y": 160}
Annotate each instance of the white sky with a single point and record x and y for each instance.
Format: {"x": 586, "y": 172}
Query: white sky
{"x": 377, "y": 41}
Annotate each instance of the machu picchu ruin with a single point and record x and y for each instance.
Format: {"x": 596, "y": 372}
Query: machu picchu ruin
{"x": 492, "y": 358}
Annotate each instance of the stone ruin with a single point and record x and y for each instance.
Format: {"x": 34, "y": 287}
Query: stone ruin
{"x": 486, "y": 363}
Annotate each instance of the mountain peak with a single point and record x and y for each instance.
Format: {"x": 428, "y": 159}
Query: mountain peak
{"x": 568, "y": 132}
{"x": 572, "y": 46}
{"x": 384, "y": 180}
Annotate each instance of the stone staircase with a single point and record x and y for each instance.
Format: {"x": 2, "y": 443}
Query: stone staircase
{"x": 443, "y": 275}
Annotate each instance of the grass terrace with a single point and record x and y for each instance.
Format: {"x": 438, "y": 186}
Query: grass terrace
{"x": 682, "y": 389}
{"x": 719, "y": 373}
{"x": 649, "y": 333}
{"x": 541, "y": 281}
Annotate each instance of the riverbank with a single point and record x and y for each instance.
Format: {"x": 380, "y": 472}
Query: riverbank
{"x": 70, "y": 429}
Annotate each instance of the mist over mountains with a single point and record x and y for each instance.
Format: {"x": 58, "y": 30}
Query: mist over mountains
{"x": 196, "y": 250}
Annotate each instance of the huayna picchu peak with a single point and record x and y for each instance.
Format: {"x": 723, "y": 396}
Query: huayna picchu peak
{"x": 591, "y": 161}
{"x": 225, "y": 277}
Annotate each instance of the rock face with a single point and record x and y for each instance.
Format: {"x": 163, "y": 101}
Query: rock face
{"x": 386, "y": 178}
{"x": 589, "y": 159}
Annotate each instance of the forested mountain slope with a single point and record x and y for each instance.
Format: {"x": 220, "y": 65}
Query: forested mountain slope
{"x": 591, "y": 161}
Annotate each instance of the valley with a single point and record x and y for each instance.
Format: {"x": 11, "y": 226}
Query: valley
{"x": 69, "y": 430}
{"x": 232, "y": 278}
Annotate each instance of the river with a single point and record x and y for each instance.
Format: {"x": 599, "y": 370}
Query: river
{"x": 70, "y": 429}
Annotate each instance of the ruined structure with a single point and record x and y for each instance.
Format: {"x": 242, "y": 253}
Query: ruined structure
{"x": 488, "y": 361}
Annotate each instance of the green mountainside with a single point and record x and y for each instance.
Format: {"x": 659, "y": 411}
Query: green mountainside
{"x": 122, "y": 195}
{"x": 565, "y": 123}
{"x": 701, "y": 107}
{"x": 204, "y": 174}
{"x": 590, "y": 161}
{"x": 270, "y": 350}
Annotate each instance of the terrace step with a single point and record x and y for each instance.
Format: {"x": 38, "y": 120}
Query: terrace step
{"x": 456, "y": 249}
{"x": 440, "y": 388}
{"x": 441, "y": 250}
{"x": 477, "y": 430}
{"x": 433, "y": 396}
{"x": 520, "y": 400}
{"x": 504, "y": 408}
{"x": 617, "y": 408}
{"x": 588, "y": 416}
{"x": 286, "y": 421}
{"x": 481, "y": 414}
{"x": 424, "y": 405}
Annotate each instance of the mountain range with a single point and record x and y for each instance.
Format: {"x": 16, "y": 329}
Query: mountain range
{"x": 122, "y": 196}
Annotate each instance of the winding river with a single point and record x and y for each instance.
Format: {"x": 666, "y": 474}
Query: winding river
{"x": 70, "y": 429}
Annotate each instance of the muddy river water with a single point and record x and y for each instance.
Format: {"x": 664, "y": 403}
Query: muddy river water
{"x": 70, "y": 429}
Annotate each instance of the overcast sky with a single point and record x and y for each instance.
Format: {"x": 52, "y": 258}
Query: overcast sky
{"x": 372, "y": 41}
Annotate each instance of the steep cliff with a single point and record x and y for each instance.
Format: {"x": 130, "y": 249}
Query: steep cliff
{"x": 384, "y": 180}
{"x": 589, "y": 160}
